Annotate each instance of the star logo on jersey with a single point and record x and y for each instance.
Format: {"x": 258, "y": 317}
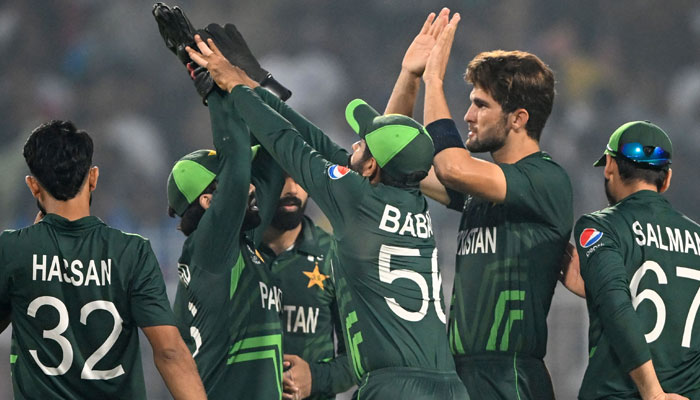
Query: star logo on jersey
{"x": 337, "y": 171}
{"x": 315, "y": 277}
{"x": 589, "y": 237}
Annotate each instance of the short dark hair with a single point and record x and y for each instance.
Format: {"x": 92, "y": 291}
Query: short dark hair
{"x": 193, "y": 213}
{"x": 59, "y": 156}
{"x": 516, "y": 79}
{"x": 632, "y": 171}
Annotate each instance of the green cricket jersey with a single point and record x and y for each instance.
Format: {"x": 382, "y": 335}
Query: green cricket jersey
{"x": 228, "y": 305}
{"x": 640, "y": 260}
{"x": 508, "y": 261}
{"x": 77, "y": 291}
{"x": 310, "y": 312}
{"x": 385, "y": 268}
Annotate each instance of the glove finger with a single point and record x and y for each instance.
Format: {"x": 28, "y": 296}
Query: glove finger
{"x": 184, "y": 21}
{"x": 235, "y": 35}
{"x": 218, "y": 34}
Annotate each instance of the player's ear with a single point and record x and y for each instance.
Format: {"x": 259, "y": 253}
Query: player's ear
{"x": 93, "y": 175}
{"x": 667, "y": 181}
{"x": 370, "y": 169}
{"x": 518, "y": 119}
{"x": 33, "y": 185}
{"x": 205, "y": 200}
{"x": 610, "y": 166}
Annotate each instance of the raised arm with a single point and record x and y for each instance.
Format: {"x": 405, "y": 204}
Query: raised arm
{"x": 219, "y": 229}
{"x": 305, "y": 165}
{"x": 403, "y": 97}
{"x": 310, "y": 132}
{"x": 454, "y": 165}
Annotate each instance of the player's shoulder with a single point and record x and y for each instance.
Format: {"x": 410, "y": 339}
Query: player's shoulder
{"x": 607, "y": 220}
{"x": 127, "y": 238}
{"x": 541, "y": 167}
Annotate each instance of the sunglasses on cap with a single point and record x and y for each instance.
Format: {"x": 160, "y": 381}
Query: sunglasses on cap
{"x": 634, "y": 151}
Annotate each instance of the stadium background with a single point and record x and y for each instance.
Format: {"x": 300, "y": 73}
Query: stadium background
{"x": 103, "y": 65}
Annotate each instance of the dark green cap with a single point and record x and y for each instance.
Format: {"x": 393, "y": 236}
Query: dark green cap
{"x": 400, "y": 145}
{"x": 655, "y": 150}
{"x": 191, "y": 175}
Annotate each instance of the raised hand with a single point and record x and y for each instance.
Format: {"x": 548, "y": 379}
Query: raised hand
{"x": 418, "y": 52}
{"x": 225, "y": 75}
{"x": 440, "y": 53}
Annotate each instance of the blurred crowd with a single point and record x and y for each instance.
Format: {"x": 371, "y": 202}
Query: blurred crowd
{"x": 103, "y": 65}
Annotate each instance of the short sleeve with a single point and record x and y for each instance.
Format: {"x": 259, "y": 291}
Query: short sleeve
{"x": 539, "y": 189}
{"x": 149, "y": 300}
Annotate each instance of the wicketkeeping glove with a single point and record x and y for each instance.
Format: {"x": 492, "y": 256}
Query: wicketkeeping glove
{"x": 232, "y": 45}
{"x": 178, "y": 33}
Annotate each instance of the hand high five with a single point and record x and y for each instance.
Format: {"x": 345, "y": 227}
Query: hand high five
{"x": 418, "y": 52}
{"x": 440, "y": 54}
{"x": 225, "y": 75}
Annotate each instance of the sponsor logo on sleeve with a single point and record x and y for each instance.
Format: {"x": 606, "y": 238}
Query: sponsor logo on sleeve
{"x": 337, "y": 171}
{"x": 589, "y": 237}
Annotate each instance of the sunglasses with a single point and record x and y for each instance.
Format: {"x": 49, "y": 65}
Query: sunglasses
{"x": 652, "y": 155}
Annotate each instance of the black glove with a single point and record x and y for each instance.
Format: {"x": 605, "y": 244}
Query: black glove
{"x": 232, "y": 45}
{"x": 178, "y": 33}
{"x": 175, "y": 28}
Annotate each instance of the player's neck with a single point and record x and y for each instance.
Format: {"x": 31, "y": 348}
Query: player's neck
{"x": 73, "y": 209}
{"x": 278, "y": 241}
{"x": 625, "y": 190}
{"x": 517, "y": 147}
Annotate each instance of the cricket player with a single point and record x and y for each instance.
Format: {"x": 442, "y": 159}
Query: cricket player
{"x": 228, "y": 303}
{"x": 76, "y": 290}
{"x": 640, "y": 261}
{"x": 516, "y": 211}
{"x": 385, "y": 267}
{"x": 298, "y": 254}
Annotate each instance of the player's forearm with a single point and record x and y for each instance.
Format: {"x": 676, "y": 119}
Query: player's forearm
{"x": 431, "y": 187}
{"x": 331, "y": 377}
{"x": 179, "y": 372}
{"x": 308, "y": 131}
{"x": 281, "y": 140}
{"x": 622, "y": 327}
{"x": 403, "y": 97}
{"x": 268, "y": 178}
{"x": 174, "y": 362}
{"x": 647, "y": 383}
{"x": 435, "y": 106}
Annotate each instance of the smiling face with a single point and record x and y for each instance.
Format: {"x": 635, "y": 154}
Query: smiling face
{"x": 488, "y": 129}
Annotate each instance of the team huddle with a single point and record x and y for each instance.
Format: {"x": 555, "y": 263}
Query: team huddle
{"x": 270, "y": 306}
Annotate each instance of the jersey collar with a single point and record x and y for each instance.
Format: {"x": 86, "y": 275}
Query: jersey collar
{"x": 79, "y": 224}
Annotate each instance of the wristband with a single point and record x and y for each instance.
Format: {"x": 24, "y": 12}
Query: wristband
{"x": 445, "y": 134}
